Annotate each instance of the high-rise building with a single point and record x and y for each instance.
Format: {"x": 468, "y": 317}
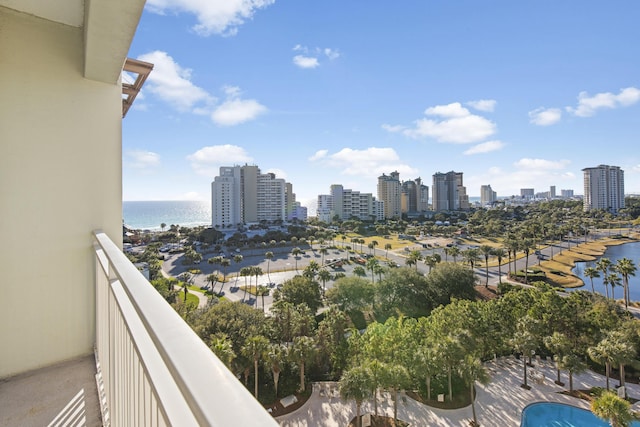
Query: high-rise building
{"x": 389, "y": 192}
{"x": 566, "y": 194}
{"x": 527, "y": 193}
{"x": 603, "y": 188}
{"x": 487, "y": 195}
{"x": 414, "y": 196}
{"x": 448, "y": 192}
{"x": 346, "y": 204}
{"x": 552, "y": 192}
{"x": 241, "y": 194}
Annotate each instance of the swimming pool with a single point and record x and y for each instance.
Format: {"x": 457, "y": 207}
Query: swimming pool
{"x": 547, "y": 414}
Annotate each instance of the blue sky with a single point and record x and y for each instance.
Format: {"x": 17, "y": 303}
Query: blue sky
{"x": 515, "y": 94}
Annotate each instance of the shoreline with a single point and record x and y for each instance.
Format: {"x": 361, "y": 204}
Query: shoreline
{"x": 565, "y": 261}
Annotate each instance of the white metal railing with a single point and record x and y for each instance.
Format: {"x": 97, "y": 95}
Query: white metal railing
{"x": 155, "y": 370}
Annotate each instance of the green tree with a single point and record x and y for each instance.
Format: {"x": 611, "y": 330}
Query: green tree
{"x": 486, "y": 251}
{"x": 296, "y": 254}
{"x": 238, "y": 260}
{"x": 359, "y": 271}
{"x": 371, "y": 265}
{"x": 254, "y": 349}
{"x": 351, "y": 293}
{"x": 472, "y": 370}
{"x": 298, "y": 290}
{"x": 387, "y": 246}
{"x": 275, "y": 356}
{"x": 626, "y": 268}
{"x": 591, "y": 273}
{"x": 302, "y": 351}
{"x": 524, "y": 342}
{"x": 603, "y": 265}
{"x": 262, "y": 291}
{"x": 613, "y": 409}
{"x": 212, "y": 279}
{"x": 324, "y": 277}
{"x": 499, "y": 253}
{"x": 269, "y": 256}
{"x": 413, "y": 258}
{"x": 223, "y": 348}
{"x": 163, "y": 226}
{"x": 395, "y": 377}
{"x": 454, "y": 252}
{"x": 354, "y": 384}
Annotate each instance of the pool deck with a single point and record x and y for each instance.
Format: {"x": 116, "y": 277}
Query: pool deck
{"x": 500, "y": 403}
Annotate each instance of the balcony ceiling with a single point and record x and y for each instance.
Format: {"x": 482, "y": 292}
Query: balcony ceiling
{"x": 109, "y": 26}
{"x": 68, "y": 12}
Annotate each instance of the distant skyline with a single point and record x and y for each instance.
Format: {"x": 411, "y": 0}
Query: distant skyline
{"x": 512, "y": 94}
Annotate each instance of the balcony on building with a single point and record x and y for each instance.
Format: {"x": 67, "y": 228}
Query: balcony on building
{"x": 85, "y": 339}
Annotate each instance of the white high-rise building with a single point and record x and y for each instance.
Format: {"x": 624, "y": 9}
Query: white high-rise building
{"x": 603, "y": 188}
{"x": 241, "y": 194}
{"x": 345, "y": 204}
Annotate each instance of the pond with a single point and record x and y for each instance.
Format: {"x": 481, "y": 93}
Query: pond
{"x": 614, "y": 253}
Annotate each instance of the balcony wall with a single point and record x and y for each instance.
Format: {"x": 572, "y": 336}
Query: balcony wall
{"x": 60, "y": 177}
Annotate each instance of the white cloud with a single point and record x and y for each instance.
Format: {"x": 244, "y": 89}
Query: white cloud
{"x": 320, "y": 154}
{"x": 588, "y": 105}
{"x": 310, "y": 58}
{"x": 214, "y": 16}
{"x": 458, "y": 126}
{"x": 172, "y": 83}
{"x": 393, "y": 128}
{"x": 370, "y": 162}
{"x": 541, "y": 164}
{"x": 331, "y": 53}
{"x": 485, "y": 147}
{"x": 234, "y": 110}
{"x": 487, "y": 105}
{"x": 305, "y": 61}
{"x": 207, "y": 160}
{"x": 545, "y": 116}
{"x": 142, "y": 159}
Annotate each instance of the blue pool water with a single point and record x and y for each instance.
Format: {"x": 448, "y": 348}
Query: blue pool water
{"x": 546, "y": 414}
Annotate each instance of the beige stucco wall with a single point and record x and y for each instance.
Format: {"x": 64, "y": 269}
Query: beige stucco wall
{"x": 60, "y": 178}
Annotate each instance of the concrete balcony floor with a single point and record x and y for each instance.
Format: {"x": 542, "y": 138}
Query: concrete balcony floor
{"x": 59, "y": 395}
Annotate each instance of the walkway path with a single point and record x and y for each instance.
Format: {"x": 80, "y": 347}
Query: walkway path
{"x": 500, "y": 403}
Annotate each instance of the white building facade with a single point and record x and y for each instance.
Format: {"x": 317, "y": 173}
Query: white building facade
{"x": 603, "y": 188}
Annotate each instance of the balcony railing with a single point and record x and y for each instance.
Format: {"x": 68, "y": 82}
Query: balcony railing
{"x": 155, "y": 370}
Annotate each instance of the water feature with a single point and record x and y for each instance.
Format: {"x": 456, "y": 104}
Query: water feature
{"x": 614, "y": 253}
{"x": 548, "y": 414}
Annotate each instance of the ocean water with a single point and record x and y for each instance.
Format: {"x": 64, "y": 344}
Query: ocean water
{"x": 149, "y": 215}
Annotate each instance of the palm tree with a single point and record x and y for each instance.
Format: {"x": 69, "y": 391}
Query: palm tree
{"x": 374, "y": 243}
{"x": 257, "y": 271}
{"x": 472, "y": 370}
{"x": 413, "y": 258}
{"x": 471, "y": 256}
{"x": 604, "y": 353}
{"x": 613, "y": 280}
{"x": 269, "y": 256}
{"x": 163, "y": 226}
{"x": 225, "y": 263}
{"x": 523, "y": 341}
{"x": 262, "y": 291}
{"x": 212, "y": 279}
{"x": 244, "y": 272}
{"x": 371, "y": 265}
{"x": 275, "y": 356}
{"x": 223, "y": 348}
{"x": 430, "y": 261}
{"x": 302, "y": 351}
{"x": 254, "y": 349}
{"x": 526, "y": 245}
{"x": 323, "y": 252}
{"x": 499, "y": 253}
{"x": 238, "y": 260}
{"x": 296, "y": 253}
{"x": 387, "y": 246}
{"x": 486, "y": 250}
{"x": 324, "y": 276}
{"x": 626, "y": 268}
{"x": 592, "y": 272}
{"x": 454, "y": 252}
{"x": 612, "y": 408}
{"x": 343, "y": 237}
{"x": 355, "y": 384}
{"x": 603, "y": 265}
{"x": 359, "y": 271}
